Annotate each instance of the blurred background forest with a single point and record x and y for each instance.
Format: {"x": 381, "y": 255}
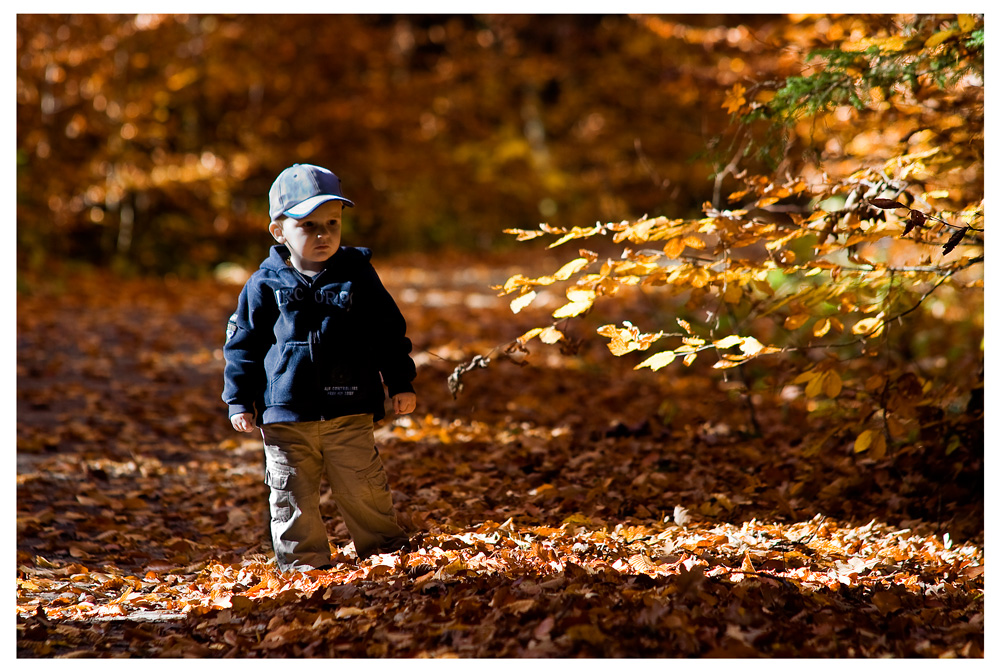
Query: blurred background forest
{"x": 149, "y": 142}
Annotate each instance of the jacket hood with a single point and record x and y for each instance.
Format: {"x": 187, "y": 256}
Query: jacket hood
{"x": 279, "y": 255}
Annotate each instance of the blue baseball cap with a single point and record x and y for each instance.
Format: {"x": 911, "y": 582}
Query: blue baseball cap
{"x": 302, "y": 188}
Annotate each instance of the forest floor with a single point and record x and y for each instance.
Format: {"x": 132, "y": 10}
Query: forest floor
{"x": 561, "y": 506}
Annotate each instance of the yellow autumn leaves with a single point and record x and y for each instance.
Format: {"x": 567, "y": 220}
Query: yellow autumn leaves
{"x": 635, "y": 268}
{"x": 735, "y": 99}
{"x": 580, "y": 301}
{"x": 965, "y": 23}
{"x": 628, "y": 338}
{"x": 521, "y": 282}
{"x": 826, "y": 382}
{"x": 866, "y": 326}
{"x": 869, "y": 326}
{"x": 871, "y": 441}
{"x": 547, "y": 335}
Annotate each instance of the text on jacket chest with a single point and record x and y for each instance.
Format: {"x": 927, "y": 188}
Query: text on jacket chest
{"x": 327, "y": 296}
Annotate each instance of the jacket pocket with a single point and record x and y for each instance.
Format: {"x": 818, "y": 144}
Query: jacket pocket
{"x": 292, "y": 376}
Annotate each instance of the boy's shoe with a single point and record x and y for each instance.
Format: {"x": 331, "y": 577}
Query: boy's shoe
{"x": 404, "y": 546}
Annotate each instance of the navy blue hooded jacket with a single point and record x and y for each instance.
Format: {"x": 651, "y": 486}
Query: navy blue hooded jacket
{"x": 300, "y": 348}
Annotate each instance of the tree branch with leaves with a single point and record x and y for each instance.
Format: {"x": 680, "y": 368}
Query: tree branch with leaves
{"x": 811, "y": 269}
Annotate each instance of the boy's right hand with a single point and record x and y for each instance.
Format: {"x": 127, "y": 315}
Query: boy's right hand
{"x": 243, "y": 422}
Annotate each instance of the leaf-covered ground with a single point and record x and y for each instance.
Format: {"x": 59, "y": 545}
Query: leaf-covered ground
{"x": 569, "y": 507}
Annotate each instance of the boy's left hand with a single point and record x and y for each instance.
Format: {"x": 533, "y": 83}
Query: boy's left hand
{"x": 404, "y": 403}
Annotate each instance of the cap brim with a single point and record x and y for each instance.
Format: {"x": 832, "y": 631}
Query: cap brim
{"x": 305, "y": 207}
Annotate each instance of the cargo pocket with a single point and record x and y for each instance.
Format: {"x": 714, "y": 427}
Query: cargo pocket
{"x": 378, "y": 487}
{"x": 277, "y": 479}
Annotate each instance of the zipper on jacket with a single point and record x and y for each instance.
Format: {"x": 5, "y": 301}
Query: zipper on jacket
{"x": 313, "y": 345}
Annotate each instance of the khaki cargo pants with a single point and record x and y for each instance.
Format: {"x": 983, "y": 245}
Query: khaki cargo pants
{"x": 297, "y": 455}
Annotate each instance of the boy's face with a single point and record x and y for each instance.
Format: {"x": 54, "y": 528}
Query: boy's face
{"x": 313, "y": 239}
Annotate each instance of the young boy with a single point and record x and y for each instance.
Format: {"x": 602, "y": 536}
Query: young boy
{"x": 313, "y": 338}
